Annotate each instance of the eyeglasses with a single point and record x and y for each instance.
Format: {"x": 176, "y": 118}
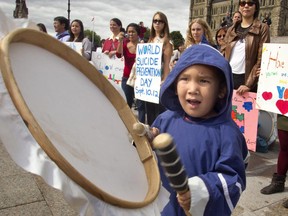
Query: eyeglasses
{"x": 243, "y": 3}
{"x": 220, "y": 36}
{"x": 155, "y": 21}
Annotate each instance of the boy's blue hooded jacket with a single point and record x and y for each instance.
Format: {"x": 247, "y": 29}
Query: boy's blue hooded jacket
{"x": 212, "y": 150}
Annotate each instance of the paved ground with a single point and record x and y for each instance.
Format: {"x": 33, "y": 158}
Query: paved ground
{"x": 279, "y": 39}
{"x": 25, "y": 194}
{"x": 259, "y": 172}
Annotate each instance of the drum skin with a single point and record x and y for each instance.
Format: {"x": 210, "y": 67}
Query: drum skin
{"x": 267, "y": 126}
{"x": 62, "y": 126}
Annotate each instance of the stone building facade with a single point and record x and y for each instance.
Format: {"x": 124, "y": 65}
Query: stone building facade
{"x": 21, "y": 10}
{"x": 213, "y": 12}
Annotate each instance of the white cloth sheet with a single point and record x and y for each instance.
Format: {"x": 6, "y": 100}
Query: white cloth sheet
{"x": 28, "y": 154}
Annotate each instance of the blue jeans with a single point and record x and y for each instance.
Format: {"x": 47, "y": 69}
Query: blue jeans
{"x": 153, "y": 110}
{"x": 128, "y": 91}
{"x": 141, "y": 111}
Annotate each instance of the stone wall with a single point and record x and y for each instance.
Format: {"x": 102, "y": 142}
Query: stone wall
{"x": 215, "y": 10}
{"x": 21, "y": 10}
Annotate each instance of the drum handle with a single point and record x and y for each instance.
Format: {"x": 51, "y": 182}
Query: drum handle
{"x": 169, "y": 158}
{"x": 171, "y": 163}
{"x": 143, "y": 130}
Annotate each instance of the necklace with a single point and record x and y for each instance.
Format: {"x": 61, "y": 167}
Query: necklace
{"x": 242, "y": 32}
{"x": 158, "y": 39}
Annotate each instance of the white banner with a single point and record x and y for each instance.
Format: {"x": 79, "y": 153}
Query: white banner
{"x": 272, "y": 93}
{"x": 77, "y": 46}
{"x": 111, "y": 68}
{"x": 148, "y": 72}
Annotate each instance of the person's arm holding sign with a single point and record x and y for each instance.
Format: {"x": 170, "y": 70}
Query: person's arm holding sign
{"x": 119, "y": 50}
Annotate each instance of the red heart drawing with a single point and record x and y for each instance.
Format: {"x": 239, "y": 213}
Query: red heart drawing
{"x": 267, "y": 95}
{"x": 282, "y": 106}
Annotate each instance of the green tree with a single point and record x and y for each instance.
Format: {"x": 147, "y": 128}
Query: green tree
{"x": 176, "y": 38}
{"x": 147, "y": 35}
{"x": 96, "y": 38}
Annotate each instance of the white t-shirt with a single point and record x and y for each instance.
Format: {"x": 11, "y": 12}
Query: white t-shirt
{"x": 237, "y": 59}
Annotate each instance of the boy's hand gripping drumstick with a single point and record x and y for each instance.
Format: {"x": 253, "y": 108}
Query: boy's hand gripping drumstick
{"x": 143, "y": 129}
{"x": 171, "y": 163}
{"x": 170, "y": 160}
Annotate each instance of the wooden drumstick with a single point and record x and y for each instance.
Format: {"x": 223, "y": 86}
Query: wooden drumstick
{"x": 171, "y": 163}
{"x": 142, "y": 129}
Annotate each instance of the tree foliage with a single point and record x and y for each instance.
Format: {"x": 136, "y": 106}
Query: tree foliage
{"x": 147, "y": 34}
{"x": 176, "y": 38}
{"x": 96, "y": 38}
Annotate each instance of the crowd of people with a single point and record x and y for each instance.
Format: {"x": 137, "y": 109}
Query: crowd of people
{"x": 197, "y": 81}
{"x": 70, "y": 32}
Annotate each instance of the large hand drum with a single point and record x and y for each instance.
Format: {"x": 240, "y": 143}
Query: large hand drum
{"x": 267, "y": 126}
{"x": 78, "y": 119}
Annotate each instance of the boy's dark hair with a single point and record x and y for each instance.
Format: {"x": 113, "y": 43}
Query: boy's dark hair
{"x": 222, "y": 88}
{"x": 62, "y": 20}
{"x": 221, "y": 77}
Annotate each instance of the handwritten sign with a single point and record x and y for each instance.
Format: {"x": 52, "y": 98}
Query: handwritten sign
{"x": 272, "y": 93}
{"x": 245, "y": 114}
{"x": 77, "y": 46}
{"x": 111, "y": 68}
{"x": 148, "y": 72}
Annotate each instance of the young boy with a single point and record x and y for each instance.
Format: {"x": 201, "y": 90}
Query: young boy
{"x": 197, "y": 95}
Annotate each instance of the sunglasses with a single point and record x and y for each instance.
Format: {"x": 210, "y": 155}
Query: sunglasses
{"x": 220, "y": 36}
{"x": 155, "y": 21}
{"x": 243, "y": 3}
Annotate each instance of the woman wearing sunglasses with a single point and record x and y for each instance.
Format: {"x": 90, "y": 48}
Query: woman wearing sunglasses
{"x": 159, "y": 34}
{"x": 220, "y": 35}
{"x": 243, "y": 46}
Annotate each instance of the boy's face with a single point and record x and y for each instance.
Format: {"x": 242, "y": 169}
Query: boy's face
{"x": 198, "y": 89}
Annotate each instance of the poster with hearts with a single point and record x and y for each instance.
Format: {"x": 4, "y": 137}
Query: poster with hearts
{"x": 272, "y": 93}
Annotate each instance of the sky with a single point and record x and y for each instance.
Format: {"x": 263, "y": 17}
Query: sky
{"x": 127, "y": 11}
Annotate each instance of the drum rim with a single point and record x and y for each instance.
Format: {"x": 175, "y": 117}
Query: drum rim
{"x": 60, "y": 49}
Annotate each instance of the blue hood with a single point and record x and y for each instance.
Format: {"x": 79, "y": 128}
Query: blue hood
{"x": 205, "y": 55}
